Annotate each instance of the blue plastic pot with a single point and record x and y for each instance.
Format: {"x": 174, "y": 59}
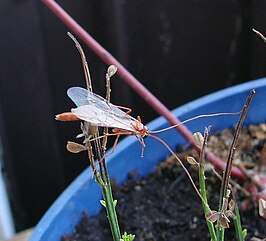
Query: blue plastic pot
{"x": 84, "y": 193}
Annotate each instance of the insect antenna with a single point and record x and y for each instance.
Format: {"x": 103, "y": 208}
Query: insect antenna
{"x": 194, "y": 118}
{"x": 181, "y": 164}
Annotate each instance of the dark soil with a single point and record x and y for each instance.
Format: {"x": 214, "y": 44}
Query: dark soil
{"x": 164, "y": 206}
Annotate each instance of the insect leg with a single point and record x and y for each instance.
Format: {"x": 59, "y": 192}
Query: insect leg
{"x": 128, "y": 110}
{"x": 141, "y": 141}
{"x": 113, "y": 148}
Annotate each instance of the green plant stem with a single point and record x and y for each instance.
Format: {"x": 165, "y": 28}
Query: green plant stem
{"x": 107, "y": 193}
{"x": 237, "y": 223}
{"x": 104, "y": 182}
{"x": 220, "y": 232}
{"x": 205, "y": 205}
{"x": 107, "y": 187}
{"x": 202, "y": 185}
{"x": 110, "y": 208}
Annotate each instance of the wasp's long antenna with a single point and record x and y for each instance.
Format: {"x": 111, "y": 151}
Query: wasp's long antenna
{"x": 195, "y": 118}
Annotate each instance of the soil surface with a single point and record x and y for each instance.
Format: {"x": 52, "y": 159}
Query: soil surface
{"x": 164, "y": 207}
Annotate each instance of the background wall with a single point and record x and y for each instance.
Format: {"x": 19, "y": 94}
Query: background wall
{"x": 179, "y": 49}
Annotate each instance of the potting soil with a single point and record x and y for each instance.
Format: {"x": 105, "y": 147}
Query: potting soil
{"x": 164, "y": 207}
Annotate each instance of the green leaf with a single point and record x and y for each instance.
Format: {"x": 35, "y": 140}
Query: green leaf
{"x": 115, "y": 202}
{"x": 128, "y": 237}
{"x": 103, "y": 203}
{"x": 228, "y": 192}
{"x": 244, "y": 233}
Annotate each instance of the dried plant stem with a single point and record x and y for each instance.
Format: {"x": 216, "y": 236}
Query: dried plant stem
{"x": 84, "y": 62}
{"x": 229, "y": 164}
{"x": 260, "y": 35}
{"x": 93, "y": 166}
{"x": 102, "y": 177}
{"x": 108, "y": 98}
{"x": 202, "y": 185}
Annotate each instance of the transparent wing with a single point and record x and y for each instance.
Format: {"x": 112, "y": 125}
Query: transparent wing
{"x": 99, "y": 117}
{"x": 78, "y": 95}
{"x": 81, "y": 96}
{"x": 98, "y": 111}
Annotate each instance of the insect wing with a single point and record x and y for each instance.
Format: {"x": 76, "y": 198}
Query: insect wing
{"x": 99, "y": 117}
{"x": 81, "y": 96}
{"x": 103, "y": 104}
{"x": 78, "y": 95}
{"x": 95, "y": 109}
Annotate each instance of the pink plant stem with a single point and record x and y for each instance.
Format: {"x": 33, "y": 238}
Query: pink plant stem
{"x": 133, "y": 82}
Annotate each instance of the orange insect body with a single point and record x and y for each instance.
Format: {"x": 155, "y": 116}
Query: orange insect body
{"x": 140, "y": 128}
{"x": 66, "y": 116}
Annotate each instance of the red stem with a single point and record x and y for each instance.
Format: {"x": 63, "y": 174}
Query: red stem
{"x": 133, "y": 82}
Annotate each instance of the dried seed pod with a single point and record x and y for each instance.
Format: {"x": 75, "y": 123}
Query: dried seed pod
{"x": 191, "y": 160}
{"x": 224, "y": 221}
{"x": 74, "y": 147}
{"x": 224, "y": 204}
{"x": 212, "y": 216}
{"x": 262, "y": 208}
{"x": 230, "y": 214}
{"x": 231, "y": 205}
{"x": 111, "y": 70}
{"x": 199, "y": 139}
